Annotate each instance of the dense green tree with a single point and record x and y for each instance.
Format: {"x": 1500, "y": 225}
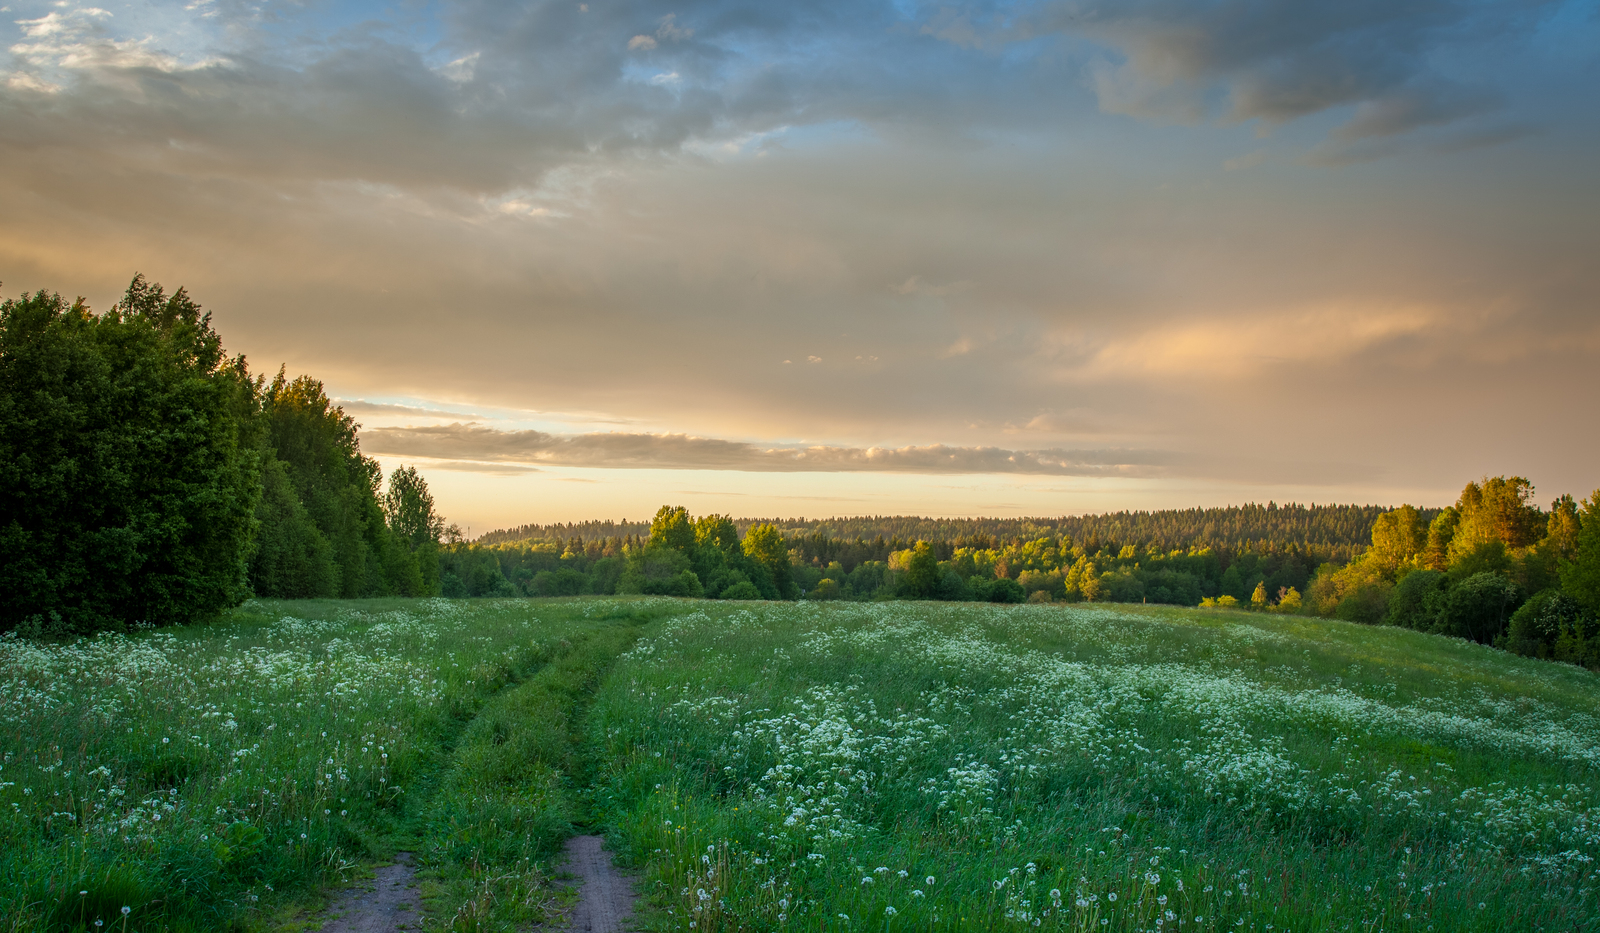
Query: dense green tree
{"x": 1562, "y": 528}
{"x": 408, "y": 508}
{"x": 1478, "y": 608}
{"x": 291, "y": 559}
{"x": 718, "y": 531}
{"x": 1441, "y": 532}
{"x": 745, "y": 590}
{"x": 1580, "y": 579}
{"x": 768, "y": 553}
{"x": 316, "y": 441}
{"x": 128, "y": 474}
{"x": 1415, "y": 602}
{"x": 1551, "y": 625}
{"x": 922, "y": 576}
{"x": 408, "y": 511}
{"x": 1499, "y": 509}
{"x": 472, "y": 570}
{"x": 673, "y": 528}
{"x": 1233, "y": 584}
{"x": 1398, "y": 538}
{"x": 659, "y": 569}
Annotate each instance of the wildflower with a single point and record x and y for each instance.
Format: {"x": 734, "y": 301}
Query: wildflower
{"x": 916, "y": 893}
{"x": 1112, "y": 896}
{"x": 890, "y": 911}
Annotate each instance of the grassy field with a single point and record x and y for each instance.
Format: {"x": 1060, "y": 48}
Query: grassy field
{"x": 212, "y": 778}
{"x": 931, "y": 767}
{"x": 801, "y": 766}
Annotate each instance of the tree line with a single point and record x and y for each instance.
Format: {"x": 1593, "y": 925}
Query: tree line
{"x": 1494, "y": 568}
{"x": 148, "y": 478}
{"x": 1337, "y": 531}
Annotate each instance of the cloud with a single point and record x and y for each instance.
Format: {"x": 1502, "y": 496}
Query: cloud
{"x": 477, "y": 466}
{"x": 1248, "y": 160}
{"x": 617, "y": 450}
{"x": 1280, "y": 60}
{"x": 1244, "y": 346}
{"x": 360, "y": 407}
{"x": 510, "y": 216}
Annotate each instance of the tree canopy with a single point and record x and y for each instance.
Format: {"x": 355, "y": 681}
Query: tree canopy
{"x": 147, "y": 478}
{"x": 129, "y": 476}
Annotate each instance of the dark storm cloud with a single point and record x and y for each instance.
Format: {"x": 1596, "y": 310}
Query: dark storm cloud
{"x": 615, "y": 450}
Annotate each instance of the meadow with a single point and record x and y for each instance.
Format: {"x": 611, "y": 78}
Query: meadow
{"x": 800, "y": 766}
{"x": 215, "y": 777}
{"x": 937, "y": 767}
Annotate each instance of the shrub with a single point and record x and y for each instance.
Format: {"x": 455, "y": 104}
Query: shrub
{"x": 1478, "y": 608}
{"x": 1367, "y": 604}
{"x": 742, "y": 590}
{"x": 1416, "y": 600}
{"x": 1552, "y": 625}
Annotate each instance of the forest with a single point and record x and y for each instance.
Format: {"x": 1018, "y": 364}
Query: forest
{"x": 148, "y": 478}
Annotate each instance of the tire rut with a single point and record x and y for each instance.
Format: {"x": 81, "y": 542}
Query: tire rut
{"x": 387, "y": 905}
{"x": 605, "y": 898}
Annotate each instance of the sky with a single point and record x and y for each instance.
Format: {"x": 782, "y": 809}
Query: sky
{"x": 815, "y": 258}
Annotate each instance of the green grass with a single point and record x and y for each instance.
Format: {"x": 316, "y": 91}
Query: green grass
{"x": 205, "y": 777}
{"x": 924, "y": 766}
{"x": 515, "y": 792}
{"x": 801, "y": 766}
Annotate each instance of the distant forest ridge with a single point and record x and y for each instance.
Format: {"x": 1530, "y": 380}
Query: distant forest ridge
{"x": 1343, "y": 529}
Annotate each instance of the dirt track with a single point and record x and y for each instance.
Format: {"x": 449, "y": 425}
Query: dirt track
{"x": 606, "y": 898}
{"x": 387, "y": 905}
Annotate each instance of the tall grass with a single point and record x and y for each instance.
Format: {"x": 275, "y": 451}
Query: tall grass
{"x": 188, "y": 779}
{"x": 516, "y": 790}
{"x": 916, "y": 766}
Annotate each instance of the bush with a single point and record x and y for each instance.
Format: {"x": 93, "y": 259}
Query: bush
{"x": 744, "y": 590}
{"x": 1478, "y": 608}
{"x": 1006, "y": 590}
{"x": 1416, "y": 600}
{"x": 1552, "y": 625}
{"x": 826, "y": 588}
{"x": 563, "y": 582}
{"x": 1367, "y": 604}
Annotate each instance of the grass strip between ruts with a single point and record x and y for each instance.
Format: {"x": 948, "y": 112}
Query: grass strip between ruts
{"x": 513, "y": 794}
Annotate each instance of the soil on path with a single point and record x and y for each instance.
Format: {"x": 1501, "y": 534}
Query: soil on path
{"x": 605, "y": 900}
{"x": 387, "y": 904}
